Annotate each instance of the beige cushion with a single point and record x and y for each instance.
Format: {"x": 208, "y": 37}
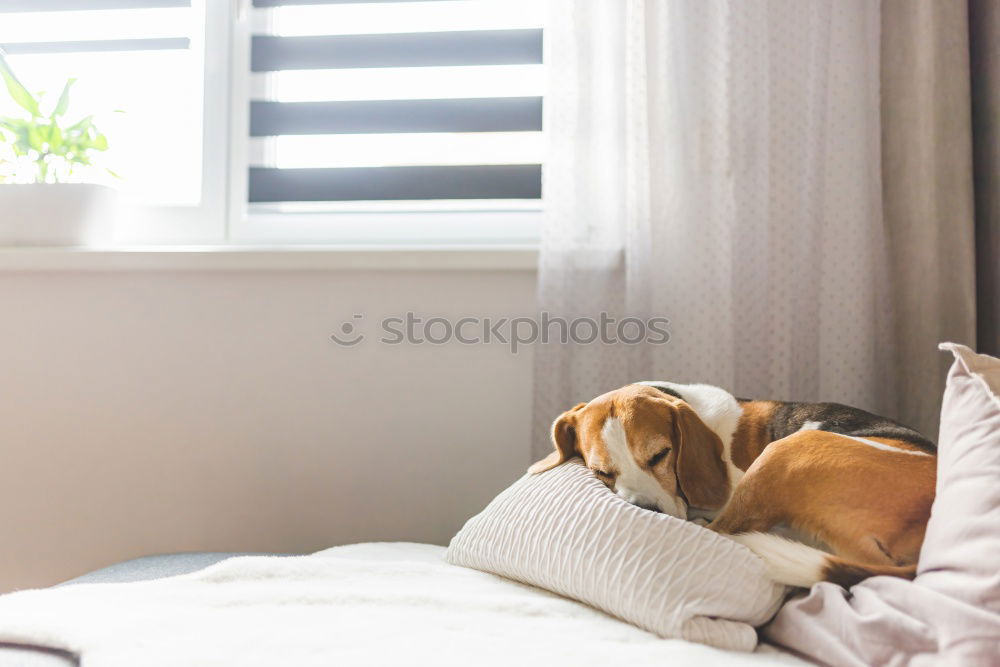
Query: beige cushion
{"x": 564, "y": 531}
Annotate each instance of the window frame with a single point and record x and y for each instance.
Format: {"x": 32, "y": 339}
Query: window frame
{"x": 223, "y": 217}
{"x": 205, "y": 222}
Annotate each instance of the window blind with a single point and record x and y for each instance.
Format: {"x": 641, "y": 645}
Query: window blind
{"x": 395, "y": 101}
{"x": 100, "y": 28}
{"x": 74, "y": 5}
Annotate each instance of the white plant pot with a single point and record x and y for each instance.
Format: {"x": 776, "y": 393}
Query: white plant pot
{"x": 60, "y": 214}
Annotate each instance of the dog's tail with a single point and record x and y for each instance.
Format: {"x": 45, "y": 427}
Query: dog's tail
{"x": 797, "y": 564}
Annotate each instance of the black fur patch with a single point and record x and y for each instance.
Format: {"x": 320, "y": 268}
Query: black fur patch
{"x": 667, "y": 390}
{"x": 836, "y": 418}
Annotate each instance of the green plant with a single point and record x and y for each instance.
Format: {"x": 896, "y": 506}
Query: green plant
{"x": 43, "y": 142}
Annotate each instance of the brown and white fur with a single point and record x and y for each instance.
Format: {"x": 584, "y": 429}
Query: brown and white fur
{"x": 858, "y": 484}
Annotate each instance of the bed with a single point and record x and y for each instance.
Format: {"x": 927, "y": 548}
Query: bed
{"x": 137, "y": 569}
{"x": 383, "y": 603}
{"x": 435, "y": 613}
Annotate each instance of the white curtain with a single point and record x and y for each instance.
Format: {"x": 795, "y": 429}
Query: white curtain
{"x": 716, "y": 162}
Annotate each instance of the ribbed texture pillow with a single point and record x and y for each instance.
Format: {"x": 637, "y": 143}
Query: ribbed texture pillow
{"x": 564, "y": 531}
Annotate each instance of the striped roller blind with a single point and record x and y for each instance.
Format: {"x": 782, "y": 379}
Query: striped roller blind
{"x": 395, "y": 101}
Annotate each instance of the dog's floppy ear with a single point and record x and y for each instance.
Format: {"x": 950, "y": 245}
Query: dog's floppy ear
{"x": 564, "y": 440}
{"x": 701, "y": 471}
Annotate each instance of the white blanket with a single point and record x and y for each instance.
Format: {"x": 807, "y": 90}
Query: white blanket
{"x": 364, "y": 604}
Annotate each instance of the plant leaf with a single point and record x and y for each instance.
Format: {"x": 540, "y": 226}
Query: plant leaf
{"x": 63, "y": 102}
{"x": 55, "y": 138}
{"x": 12, "y": 124}
{"x": 35, "y": 138}
{"x": 17, "y": 91}
{"x": 82, "y": 125}
{"x": 100, "y": 143}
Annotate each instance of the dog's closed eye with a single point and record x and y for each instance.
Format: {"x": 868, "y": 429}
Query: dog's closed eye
{"x": 657, "y": 457}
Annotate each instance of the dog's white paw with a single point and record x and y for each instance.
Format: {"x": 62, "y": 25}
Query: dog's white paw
{"x": 701, "y": 521}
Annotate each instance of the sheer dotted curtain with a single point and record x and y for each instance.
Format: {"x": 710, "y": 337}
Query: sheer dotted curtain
{"x": 717, "y": 164}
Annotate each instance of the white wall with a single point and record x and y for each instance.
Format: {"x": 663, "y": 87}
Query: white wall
{"x": 187, "y": 411}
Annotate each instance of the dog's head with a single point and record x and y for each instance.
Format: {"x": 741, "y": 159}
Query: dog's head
{"x": 648, "y": 447}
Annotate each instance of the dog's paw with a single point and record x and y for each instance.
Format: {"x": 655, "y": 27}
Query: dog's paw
{"x": 701, "y": 521}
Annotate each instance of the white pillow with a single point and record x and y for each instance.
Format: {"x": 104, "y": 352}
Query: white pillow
{"x": 564, "y": 531}
{"x": 959, "y": 554}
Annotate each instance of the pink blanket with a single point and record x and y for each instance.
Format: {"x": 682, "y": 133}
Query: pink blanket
{"x": 949, "y": 615}
{"x": 887, "y": 621}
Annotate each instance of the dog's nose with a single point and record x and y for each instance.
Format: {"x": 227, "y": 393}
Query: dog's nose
{"x": 639, "y": 501}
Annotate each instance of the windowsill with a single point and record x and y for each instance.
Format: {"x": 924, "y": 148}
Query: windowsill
{"x": 271, "y": 258}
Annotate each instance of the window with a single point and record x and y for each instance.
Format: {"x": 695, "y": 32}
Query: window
{"x": 139, "y": 70}
{"x": 149, "y": 71}
{"x": 301, "y": 121}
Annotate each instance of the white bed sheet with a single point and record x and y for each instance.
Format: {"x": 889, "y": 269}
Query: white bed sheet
{"x": 362, "y": 604}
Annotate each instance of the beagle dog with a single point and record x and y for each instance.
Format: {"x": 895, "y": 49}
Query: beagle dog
{"x": 857, "y": 485}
